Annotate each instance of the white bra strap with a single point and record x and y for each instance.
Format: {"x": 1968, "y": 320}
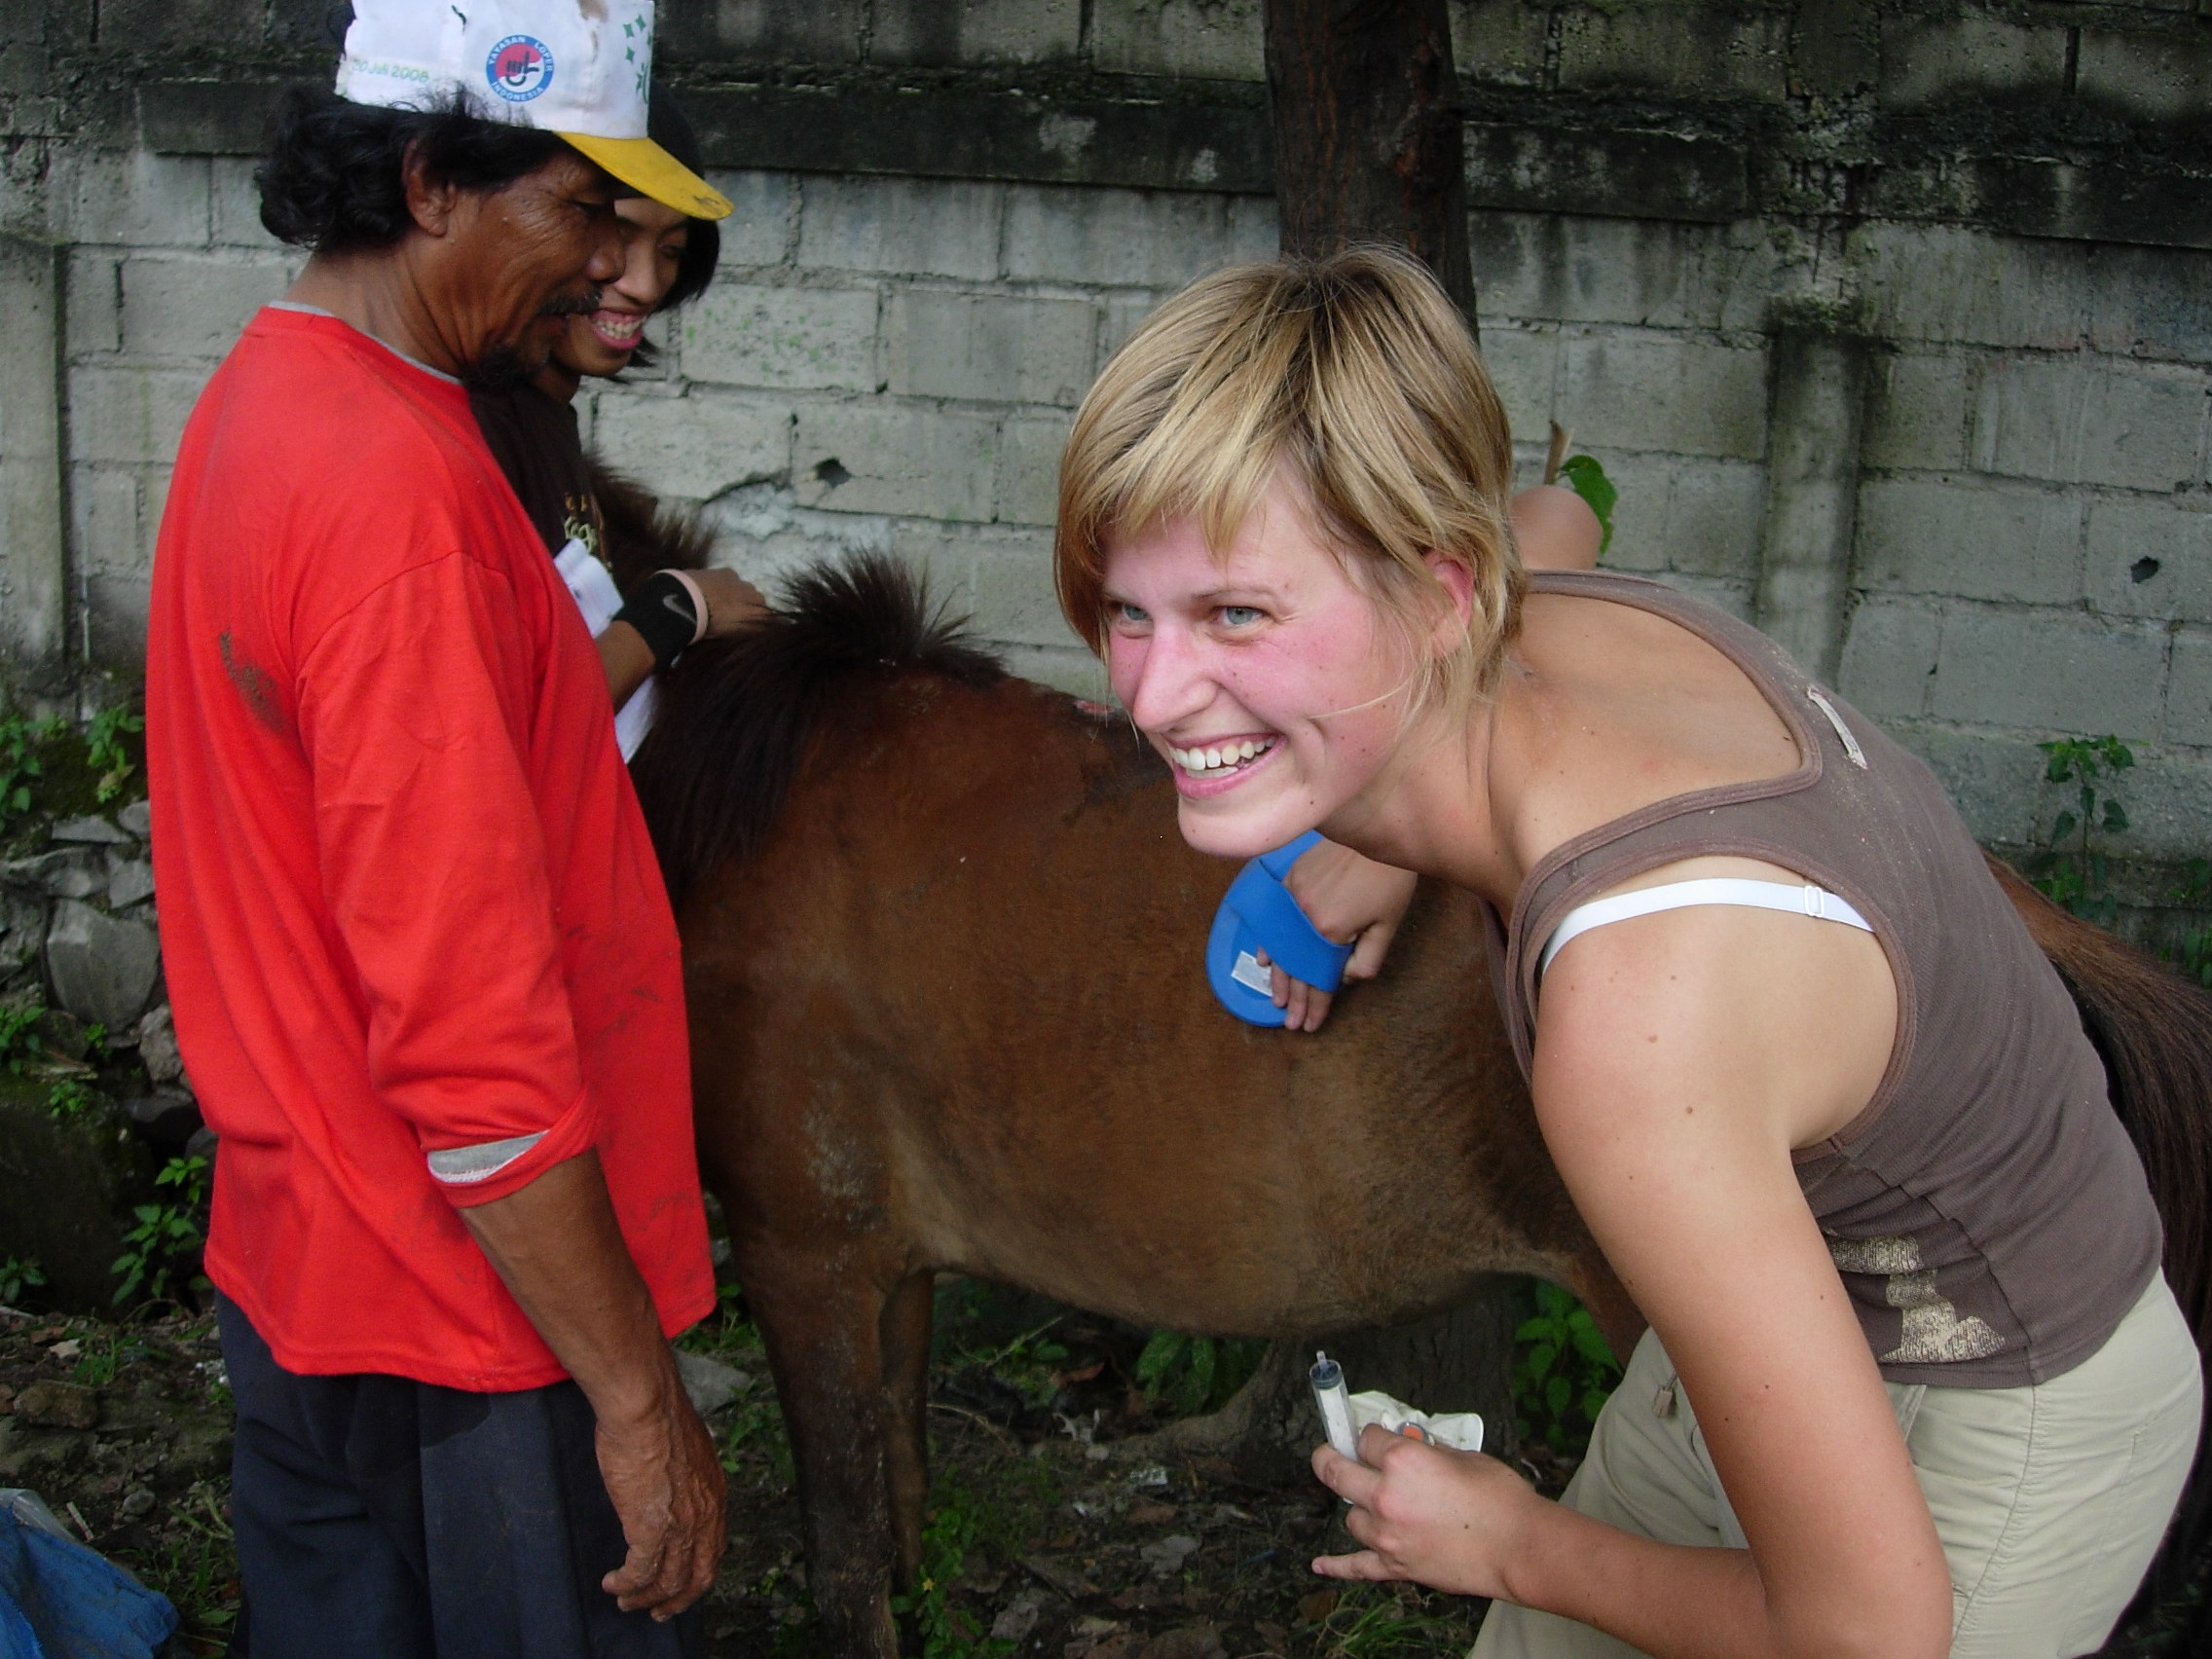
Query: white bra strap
{"x": 1807, "y": 901}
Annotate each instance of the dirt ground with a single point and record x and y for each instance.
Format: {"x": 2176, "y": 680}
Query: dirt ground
{"x": 1051, "y": 1531}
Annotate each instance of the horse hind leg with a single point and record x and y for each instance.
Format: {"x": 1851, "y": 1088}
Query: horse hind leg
{"x": 824, "y": 1331}
{"x": 906, "y": 1342}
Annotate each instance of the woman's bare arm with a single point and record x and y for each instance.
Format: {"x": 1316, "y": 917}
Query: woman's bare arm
{"x": 1679, "y": 1058}
{"x": 732, "y": 602}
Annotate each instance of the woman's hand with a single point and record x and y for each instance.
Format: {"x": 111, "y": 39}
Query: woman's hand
{"x": 1449, "y": 1519}
{"x": 1352, "y": 900}
{"x": 732, "y": 602}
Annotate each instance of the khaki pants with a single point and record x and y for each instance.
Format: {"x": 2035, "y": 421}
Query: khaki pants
{"x": 2051, "y": 1501}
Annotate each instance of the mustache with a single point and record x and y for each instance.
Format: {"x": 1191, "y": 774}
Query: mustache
{"x": 570, "y": 305}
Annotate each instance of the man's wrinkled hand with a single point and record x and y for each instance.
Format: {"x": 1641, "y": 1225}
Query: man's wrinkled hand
{"x": 669, "y": 1493}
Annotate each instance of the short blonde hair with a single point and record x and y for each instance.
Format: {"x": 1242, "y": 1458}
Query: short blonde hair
{"x": 1358, "y": 375}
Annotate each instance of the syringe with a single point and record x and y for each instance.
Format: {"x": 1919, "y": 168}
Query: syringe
{"x": 1333, "y": 1404}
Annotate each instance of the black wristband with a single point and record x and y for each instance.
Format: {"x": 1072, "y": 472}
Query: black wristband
{"x": 660, "y": 609}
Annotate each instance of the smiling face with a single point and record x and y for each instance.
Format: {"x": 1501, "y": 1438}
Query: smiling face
{"x": 1270, "y": 679}
{"x": 512, "y": 267}
{"x": 653, "y": 239}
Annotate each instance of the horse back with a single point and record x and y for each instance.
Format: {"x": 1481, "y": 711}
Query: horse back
{"x": 953, "y": 1013}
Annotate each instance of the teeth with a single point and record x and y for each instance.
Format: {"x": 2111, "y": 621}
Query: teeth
{"x": 1201, "y": 762}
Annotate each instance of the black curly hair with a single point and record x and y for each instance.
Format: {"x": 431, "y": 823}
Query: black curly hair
{"x": 334, "y": 174}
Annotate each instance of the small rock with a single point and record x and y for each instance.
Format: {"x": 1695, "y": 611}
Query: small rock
{"x": 1060, "y": 1575}
{"x": 102, "y": 967}
{"x": 138, "y": 818}
{"x": 129, "y": 880}
{"x": 1018, "y": 1617}
{"x": 201, "y": 1144}
{"x": 22, "y": 932}
{"x": 58, "y": 1405}
{"x": 1150, "y": 1514}
{"x": 66, "y": 873}
{"x": 69, "y": 1347}
{"x": 136, "y": 1503}
{"x": 156, "y": 1046}
{"x": 63, "y": 1034}
{"x": 1190, "y": 1642}
{"x": 7, "y": 1399}
{"x": 96, "y": 831}
{"x": 167, "y": 1116}
{"x": 1170, "y": 1554}
{"x": 710, "y": 1383}
{"x": 1151, "y": 1478}
{"x": 1091, "y": 1627}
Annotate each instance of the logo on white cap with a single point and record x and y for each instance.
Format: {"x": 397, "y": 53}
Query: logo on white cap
{"x": 519, "y": 68}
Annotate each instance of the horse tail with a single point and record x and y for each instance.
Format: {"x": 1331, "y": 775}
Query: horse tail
{"x": 736, "y": 714}
{"x": 2154, "y": 1031}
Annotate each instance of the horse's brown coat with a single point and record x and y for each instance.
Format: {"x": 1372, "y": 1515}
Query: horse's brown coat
{"x": 953, "y": 1015}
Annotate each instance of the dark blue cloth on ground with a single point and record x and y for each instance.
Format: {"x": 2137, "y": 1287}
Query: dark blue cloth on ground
{"x": 382, "y": 1518}
{"x": 61, "y": 1601}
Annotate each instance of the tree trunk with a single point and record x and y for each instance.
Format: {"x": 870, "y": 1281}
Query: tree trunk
{"x": 1368, "y": 147}
{"x": 1368, "y": 144}
{"x": 1460, "y": 1360}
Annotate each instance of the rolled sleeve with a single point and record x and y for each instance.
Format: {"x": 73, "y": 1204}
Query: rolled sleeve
{"x": 436, "y": 868}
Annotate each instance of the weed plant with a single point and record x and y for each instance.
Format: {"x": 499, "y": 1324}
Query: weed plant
{"x": 1190, "y": 1374}
{"x": 164, "y": 1248}
{"x": 1563, "y": 1370}
{"x": 18, "y": 1276}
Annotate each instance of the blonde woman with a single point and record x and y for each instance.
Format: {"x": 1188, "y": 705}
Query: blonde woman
{"x": 1914, "y": 1383}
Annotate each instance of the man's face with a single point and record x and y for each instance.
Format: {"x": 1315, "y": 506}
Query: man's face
{"x": 515, "y": 264}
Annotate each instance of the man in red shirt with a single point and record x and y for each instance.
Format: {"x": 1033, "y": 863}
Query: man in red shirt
{"x": 424, "y": 972}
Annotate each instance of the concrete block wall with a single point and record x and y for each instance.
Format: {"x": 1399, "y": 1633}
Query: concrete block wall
{"x": 915, "y": 293}
{"x": 892, "y": 364}
{"x": 166, "y": 261}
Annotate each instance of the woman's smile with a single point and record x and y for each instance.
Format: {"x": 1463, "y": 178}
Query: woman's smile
{"x": 1216, "y": 766}
{"x": 618, "y": 330}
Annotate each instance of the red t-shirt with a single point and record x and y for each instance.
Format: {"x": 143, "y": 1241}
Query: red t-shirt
{"x": 416, "y": 939}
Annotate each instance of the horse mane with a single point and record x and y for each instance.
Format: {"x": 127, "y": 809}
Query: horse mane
{"x": 735, "y": 713}
{"x": 643, "y": 534}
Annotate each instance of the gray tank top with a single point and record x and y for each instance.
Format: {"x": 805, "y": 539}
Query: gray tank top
{"x": 1987, "y": 1211}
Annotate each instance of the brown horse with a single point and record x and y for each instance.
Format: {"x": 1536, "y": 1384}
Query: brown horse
{"x": 943, "y": 947}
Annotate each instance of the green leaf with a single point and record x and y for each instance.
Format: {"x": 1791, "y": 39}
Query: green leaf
{"x": 1582, "y": 474}
{"x": 2115, "y": 816}
{"x": 1160, "y": 1352}
{"x": 2063, "y": 827}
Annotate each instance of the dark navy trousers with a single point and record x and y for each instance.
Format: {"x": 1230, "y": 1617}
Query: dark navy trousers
{"x": 382, "y": 1518}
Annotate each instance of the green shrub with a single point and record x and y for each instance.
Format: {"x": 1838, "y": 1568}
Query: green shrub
{"x": 1190, "y": 1374}
{"x": 167, "y": 1240}
{"x": 950, "y": 1532}
{"x": 1563, "y": 1370}
{"x": 2072, "y": 873}
{"x": 18, "y": 1273}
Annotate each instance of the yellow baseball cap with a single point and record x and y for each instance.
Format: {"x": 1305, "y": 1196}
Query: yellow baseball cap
{"x": 647, "y": 169}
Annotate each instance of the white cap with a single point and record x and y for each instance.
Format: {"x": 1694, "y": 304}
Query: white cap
{"x": 581, "y": 68}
